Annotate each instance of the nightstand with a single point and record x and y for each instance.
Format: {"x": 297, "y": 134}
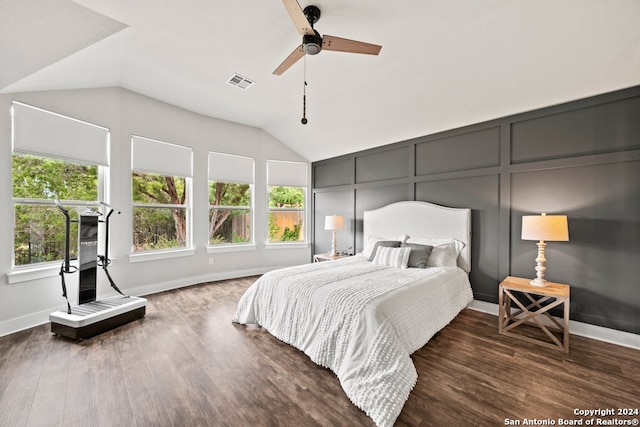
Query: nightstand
{"x": 542, "y": 299}
{"x": 327, "y": 257}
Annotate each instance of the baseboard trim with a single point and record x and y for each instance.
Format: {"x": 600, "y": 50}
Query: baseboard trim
{"x": 18, "y": 324}
{"x": 36, "y": 319}
{"x": 196, "y": 280}
{"x": 613, "y": 336}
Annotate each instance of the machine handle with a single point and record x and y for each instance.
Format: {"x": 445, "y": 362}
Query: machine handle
{"x": 67, "y": 240}
{"x": 62, "y": 208}
{"x": 106, "y": 260}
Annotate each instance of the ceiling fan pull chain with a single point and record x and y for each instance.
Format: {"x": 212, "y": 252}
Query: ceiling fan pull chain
{"x": 304, "y": 94}
{"x": 304, "y": 109}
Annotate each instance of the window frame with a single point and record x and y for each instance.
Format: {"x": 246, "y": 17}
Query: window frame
{"x": 188, "y": 183}
{"x": 27, "y": 272}
{"x": 250, "y": 208}
{"x": 304, "y": 210}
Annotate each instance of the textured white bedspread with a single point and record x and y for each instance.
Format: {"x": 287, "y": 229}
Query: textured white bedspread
{"x": 360, "y": 320}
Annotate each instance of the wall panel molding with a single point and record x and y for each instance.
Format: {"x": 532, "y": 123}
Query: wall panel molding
{"x": 580, "y": 158}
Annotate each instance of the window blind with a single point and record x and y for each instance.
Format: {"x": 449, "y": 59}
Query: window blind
{"x": 149, "y": 155}
{"x": 44, "y": 133}
{"x": 286, "y": 174}
{"x": 230, "y": 168}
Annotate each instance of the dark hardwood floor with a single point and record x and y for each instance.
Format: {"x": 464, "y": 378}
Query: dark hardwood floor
{"x": 186, "y": 364}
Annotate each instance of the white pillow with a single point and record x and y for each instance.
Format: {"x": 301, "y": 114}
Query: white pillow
{"x": 445, "y": 251}
{"x": 392, "y": 257}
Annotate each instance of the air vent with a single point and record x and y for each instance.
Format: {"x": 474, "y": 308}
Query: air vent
{"x": 239, "y": 81}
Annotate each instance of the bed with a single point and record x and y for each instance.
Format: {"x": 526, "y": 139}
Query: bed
{"x": 364, "y": 315}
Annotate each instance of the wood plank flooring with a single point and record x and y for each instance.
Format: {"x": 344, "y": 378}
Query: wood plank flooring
{"x": 186, "y": 364}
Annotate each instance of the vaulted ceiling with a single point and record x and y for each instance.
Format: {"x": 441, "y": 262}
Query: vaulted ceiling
{"x": 443, "y": 64}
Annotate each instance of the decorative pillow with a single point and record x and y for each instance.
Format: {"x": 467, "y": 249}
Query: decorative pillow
{"x": 370, "y": 244}
{"x": 444, "y": 255}
{"x": 419, "y": 254}
{"x": 445, "y": 251}
{"x": 392, "y": 257}
{"x": 381, "y": 244}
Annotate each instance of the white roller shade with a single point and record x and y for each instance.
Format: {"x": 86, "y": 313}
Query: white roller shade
{"x": 153, "y": 156}
{"x": 286, "y": 174}
{"x": 230, "y": 168}
{"x": 44, "y": 133}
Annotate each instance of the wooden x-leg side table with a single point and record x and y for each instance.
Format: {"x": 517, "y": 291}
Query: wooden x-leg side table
{"x": 508, "y": 319}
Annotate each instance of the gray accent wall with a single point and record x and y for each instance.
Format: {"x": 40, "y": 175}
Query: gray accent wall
{"x": 581, "y": 159}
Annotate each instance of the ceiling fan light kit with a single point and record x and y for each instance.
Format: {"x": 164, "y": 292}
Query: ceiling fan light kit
{"x": 312, "y": 44}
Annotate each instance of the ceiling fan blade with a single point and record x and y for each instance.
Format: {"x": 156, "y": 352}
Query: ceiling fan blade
{"x": 297, "y": 16}
{"x": 289, "y": 61}
{"x": 347, "y": 45}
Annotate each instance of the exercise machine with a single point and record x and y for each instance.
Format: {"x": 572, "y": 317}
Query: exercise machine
{"x": 91, "y": 317}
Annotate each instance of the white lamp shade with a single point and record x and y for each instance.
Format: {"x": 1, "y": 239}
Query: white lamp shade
{"x": 552, "y": 228}
{"x": 334, "y": 222}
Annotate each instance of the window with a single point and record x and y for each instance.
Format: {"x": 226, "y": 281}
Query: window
{"x": 230, "y": 199}
{"x": 54, "y": 156}
{"x": 160, "y": 188}
{"x": 286, "y": 182}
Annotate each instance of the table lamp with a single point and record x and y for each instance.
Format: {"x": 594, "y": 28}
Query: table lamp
{"x": 543, "y": 227}
{"x": 333, "y": 223}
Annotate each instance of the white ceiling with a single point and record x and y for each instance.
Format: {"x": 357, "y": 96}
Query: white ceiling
{"x": 443, "y": 64}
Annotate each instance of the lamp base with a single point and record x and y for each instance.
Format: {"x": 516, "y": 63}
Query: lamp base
{"x": 538, "y": 282}
{"x": 334, "y": 247}
{"x": 540, "y": 266}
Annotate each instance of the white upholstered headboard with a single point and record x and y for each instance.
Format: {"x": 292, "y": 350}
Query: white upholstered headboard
{"x": 422, "y": 219}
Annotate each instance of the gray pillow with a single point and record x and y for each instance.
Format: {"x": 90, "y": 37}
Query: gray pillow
{"x": 385, "y": 243}
{"x": 419, "y": 255}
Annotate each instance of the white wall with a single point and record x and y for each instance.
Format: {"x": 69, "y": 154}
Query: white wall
{"x": 27, "y": 303}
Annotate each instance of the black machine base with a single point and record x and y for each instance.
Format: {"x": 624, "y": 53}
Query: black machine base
{"x": 93, "y": 318}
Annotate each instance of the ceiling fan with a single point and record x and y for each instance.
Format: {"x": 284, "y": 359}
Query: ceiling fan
{"x": 312, "y": 42}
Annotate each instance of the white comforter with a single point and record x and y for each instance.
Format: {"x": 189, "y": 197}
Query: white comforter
{"x": 360, "y": 320}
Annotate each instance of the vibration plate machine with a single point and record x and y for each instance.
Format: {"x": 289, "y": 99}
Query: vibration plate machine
{"x": 91, "y": 317}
